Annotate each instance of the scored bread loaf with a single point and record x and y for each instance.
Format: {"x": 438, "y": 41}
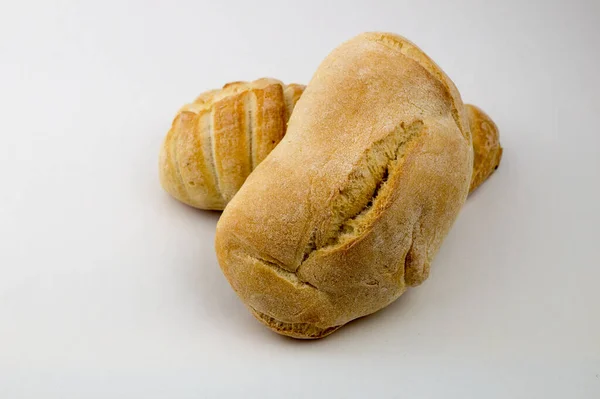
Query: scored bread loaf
{"x": 187, "y": 162}
{"x": 350, "y": 208}
{"x": 216, "y": 141}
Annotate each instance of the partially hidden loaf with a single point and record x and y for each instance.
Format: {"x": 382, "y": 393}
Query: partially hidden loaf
{"x": 216, "y": 141}
{"x": 350, "y": 208}
{"x": 204, "y": 167}
{"x": 487, "y": 151}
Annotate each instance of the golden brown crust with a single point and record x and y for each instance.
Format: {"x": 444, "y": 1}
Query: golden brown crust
{"x": 216, "y": 141}
{"x": 260, "y": 124}
{"x": 292, "y": 94}
{"x": 269, "y": 121}
{"x": 348, "y": 211}
{"x": 230, "y": 144}
{"x": 486, "y": 145}
{"x": 410, "y": 50}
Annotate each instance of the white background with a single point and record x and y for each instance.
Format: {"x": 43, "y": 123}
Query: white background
{"x": 110, "y": 289}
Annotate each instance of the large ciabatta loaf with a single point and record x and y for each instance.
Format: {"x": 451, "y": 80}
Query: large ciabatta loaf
{"x": 351, "y": 207}
{"x": 216, "y": 141}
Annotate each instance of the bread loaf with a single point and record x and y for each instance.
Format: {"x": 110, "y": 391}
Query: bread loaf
{"x": 187, "y": 167}
{"x": 486, "y": 145}
{"x": 216, "y": 141}
{"x": 350, "y": 208}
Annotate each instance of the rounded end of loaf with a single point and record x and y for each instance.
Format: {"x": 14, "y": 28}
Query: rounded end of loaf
{"x": 216, "y": 141}
{"x": 486, "y": 145}
{"x": 415, "y": 53}
{"x": 181, "y": 164}
{"x": 277, "y": 297}
{"x": 167, "y": 172}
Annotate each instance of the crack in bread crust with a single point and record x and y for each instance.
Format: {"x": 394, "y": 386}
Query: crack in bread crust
{"x": 375, "y": 170}
{"x": 283, "y": 273}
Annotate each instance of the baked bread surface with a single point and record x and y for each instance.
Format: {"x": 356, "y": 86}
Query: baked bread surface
{"x": 486, "y": 145}
{"x": 192, "y": 142}
{"x": 216, "y": 141}
{"x": 351, "y": 207}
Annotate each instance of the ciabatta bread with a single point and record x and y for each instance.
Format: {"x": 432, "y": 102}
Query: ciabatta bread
{"x": 350, "y": 208}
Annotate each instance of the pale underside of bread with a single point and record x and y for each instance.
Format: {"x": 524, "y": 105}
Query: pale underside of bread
{"x": 348, "y": 211}
{"x": 215, "y": 142}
